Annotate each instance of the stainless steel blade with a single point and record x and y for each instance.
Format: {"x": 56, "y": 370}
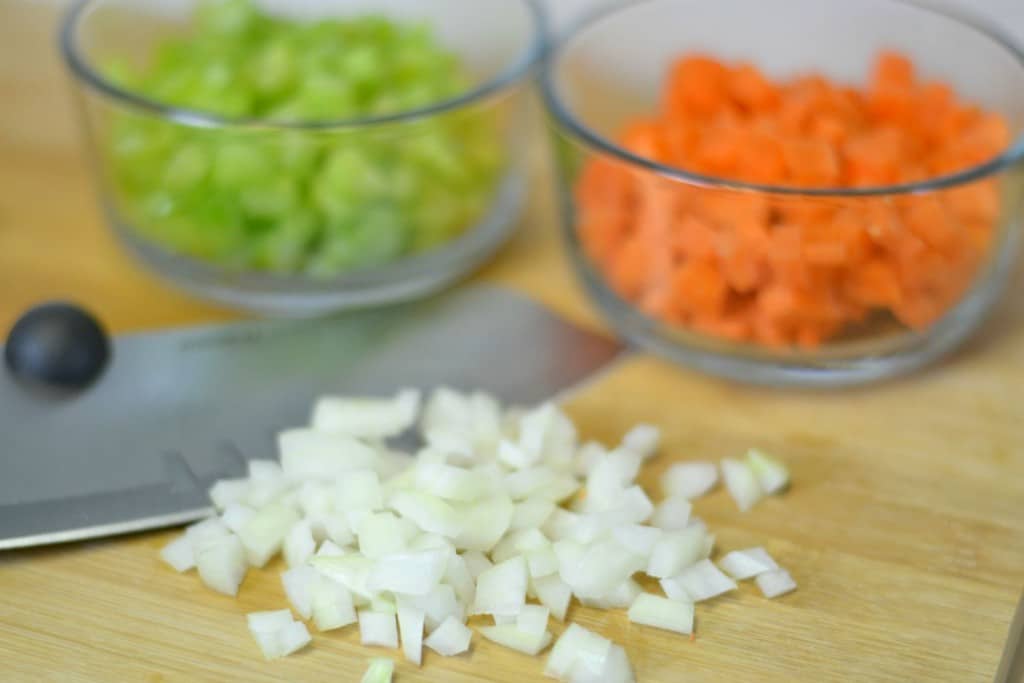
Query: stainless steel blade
{"x": 177, "y": 410}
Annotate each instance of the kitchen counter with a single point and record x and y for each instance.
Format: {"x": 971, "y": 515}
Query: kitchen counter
{"x": 904, "y": 526}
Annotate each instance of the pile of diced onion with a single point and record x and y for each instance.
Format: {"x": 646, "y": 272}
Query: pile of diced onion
{"x": 500, "y": 513}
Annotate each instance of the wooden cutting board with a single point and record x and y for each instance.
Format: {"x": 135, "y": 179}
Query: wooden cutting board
{"x": 904, "y": 526}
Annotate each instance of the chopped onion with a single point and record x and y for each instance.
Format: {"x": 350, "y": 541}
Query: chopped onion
{"x": 672, "y": 514}
{"x": 264, "y": 534}
{"x": 265, "y": 470}
{"x": 367, "y": 418}
{"x": 775, "y": 583}
{"x": 638, "y": 539}
{"x": 298, "y": 584}
{"x": 381, "y": 670}
{"x": 332, "y": 605}
{"x": 413, "y": 573}
{"x": 178, "y": 553}
{"x": 542, "y": 562}
{"x": 510, "y": 636}
{"x": 554, "y": 594}
{"x": 689, "y": 479}
{"x": 587, "y": 457}
{"x": 659, "y": 612}
{"x": 378, "y": 628}
{"x": 351, "y": 570}
{"x": 236, "y": 516}
{"x": 741, "y": 483}
{"x": 228, "y": 491}
{"x": 700, "y": 582}
{"x": 381, "y": 533}
{"x": 310, "y": 454}
{"x": 429, "y": 513}
{"x": 299, "y": 544}
{"x": 771, "y": 474}
{"x": 437, "y": 605}
{"x": 533, "y": 619}
{"x": 476, "y": 562}
{"x": 450, "y": 638}
{"x": 269, "y": 622}
{"x": 502, "y": 588}
{"x": 622, "y": 596}
{"x": 577, "y": 645}
{"x": 746, "y": 564}
{"x": 330, "y": 549}
{"x": 359, "y": 490}
{"x": 642, "y": 440}
{"x": 484, "y": 522}
{"x": 410, "y": 625}
{"x": 616, "y": 669}
{"x": 449, "y": 483}
{"x": 277, "y": 634}
{"x": 222, "y": 564}
{"x": 457, "y": 576}
{"x": 531, "y": 513}
{"x": 675, "y": 551}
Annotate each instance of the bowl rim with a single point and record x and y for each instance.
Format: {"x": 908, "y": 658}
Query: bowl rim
{"x": 80, "y": 66}
{"x": 562, "y": 114}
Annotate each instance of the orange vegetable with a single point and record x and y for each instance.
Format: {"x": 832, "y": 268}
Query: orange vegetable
{"x": 785, "y": 271}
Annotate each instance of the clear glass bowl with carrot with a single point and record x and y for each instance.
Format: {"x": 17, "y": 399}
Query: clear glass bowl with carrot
{"x": 790, "y": 192}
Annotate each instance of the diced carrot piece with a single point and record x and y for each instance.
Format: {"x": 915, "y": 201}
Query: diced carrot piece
{"x": 751, "y": 90}
{"x": 697, "y": 86}
{"x": 893, "y": 70}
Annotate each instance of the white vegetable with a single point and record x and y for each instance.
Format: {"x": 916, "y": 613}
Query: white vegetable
{"x": 587, "y": 457}
{"x": 299, "y": 544}
{"x": 514, "y": 456}
{"x": 277, "y": 634}
{"x": 381, "y": 670}
{"x": 675, "y": 551}
{"x": 207, "y": 531}
{"x": 531, "y": 513}
{"x": 222, "y": 564}
{"x": 511, "y": 637}
{"x": 502, "y": 588}
{"x": 429, "y": 513}
{"x": 269, "y": 622}
{"x": 264, "y": 534}
{"x": 741, "y": 483}
{"x": 616, "y": 669}
{"x": 484, "y": 522}
{"x": 672, "y": 514}
{"x": 378, "y": 628}
{"x": 775, "y": 583}
{"x": 533, "y": 619}
{"x": 771, "y": 474}
{"x": 621, "y": 596}
{"x": 381, "y": 533}
{"x": 659, "y": 612}
{"x": 630, "y": 506}
{"x": 577, "y": 645}
{"x": 602, "y": 568}
{"x": 367, "y": 418}
{"x": 310, "y": 454}
{"x": 638, "y": 539}
{"x": 700, "y": 582}
{"x": 746, "y": 564}
{"x": 689, "y": 479}
{"x": 236, "y": 516}
{"x": 332, "y": 605}
{"x": 265, "y": 470}
{"x": 450, "y": 483}
{"x": 410, "y": 625}
{"x": 554, "y": 594}
{"x": 412, "y": 573}
{"x": 643, "y": 440}
{"x": 338, "y": 529}
{"x": 437, "y": 605}
{"x": 609, "y": 477}
{"x": 351, "y": 570}
{"x": 476, "y": 562}
{"x": 228, "y": 491}
{"x": 359, "y": 490}
{"x": 298, "y": 584}
{"x": 542, "y": 562}
{"x": 178, "y": 553}
{"x": 450, "y": 638}
{"x": 330, "y": 549}
{"x": 457, "y": 576}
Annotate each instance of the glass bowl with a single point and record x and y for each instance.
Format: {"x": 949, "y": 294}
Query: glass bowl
{"x": 781, "y": 274}
{"x": 299, "y": 210}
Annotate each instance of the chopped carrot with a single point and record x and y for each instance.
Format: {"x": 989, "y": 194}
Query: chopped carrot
{"x": 794, "y": 271}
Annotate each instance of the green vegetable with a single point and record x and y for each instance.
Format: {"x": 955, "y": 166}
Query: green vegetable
{"x": 286, "y": 200}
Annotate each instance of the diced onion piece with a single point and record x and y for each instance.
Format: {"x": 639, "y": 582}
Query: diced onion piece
{"x": 476, "y": 562}
{"x": 330, "y": 549}
{"x": 311, "y": 454}
{"x": 746, "y": 564}
{"x": 609, "y": 477}
{"x": 450, "y": 483}
{"x": 359, "y": 490}
{"x": 332, "y": 605}
{"x": 412, "y": 573}
{"x": 457, "y": 576}
{"x": 299, "y": 544}
{"x": 228, "y": 491}
{"x": 264, "y": 534}
{"x": 298, "y": 584}
{"x": 382, "y": 603}
{"x": 222, "y": 564}
{"x": 659, "y": 612}
{"x": 367, "y": 418}
{"x": 775, "y": 583}
{"x": 587, "y": 457}
{"x": 621, "y": 596}
{"x": 642, "y": 440}
{"x": 554, "y": 594}
{"x": 211, "y": 530}
{"x": 484, "y": 522}
{"x": 638, "y": 539}
{"x": 603, "y": 567}
{"x": 178, "y": 553}
{"x": 351, "y": 570}
{"x": 502, "y": 588}
{"x": 771, "y": 474}
{"x": 265, "y": 470}
{"x": 675, "y": 551}
{"x": 515, "y": 457}
{"x": 277, "y": 634}
{"x": 236, "y": 516}
{"x": 269, "y": 622}
{"x": 577, "y": 645}
{"x": 508, "y": 635}
{"x": 689, "y": 479}
{"x": 700, "y": 582}
{"x": 630, "y": 506}
{"x": 533, "y": 619}
{"x": 741, "y": 483}
{"x": 381, "y": 670}
{"x": 450, "y": 638}
{"x": 437, "y": 605}
{"x": 378, "y": 628}
{"x": 531, "y": 513}
{"x": 525, "y": 483}
{"x": 380, "y": 534}
{"x": 616, "y": 669}
{"x": 429, "y": 513}
{"x": 672, "y": 514}
{"x": 410, "y": 625}
{"x": 542, "y": 562}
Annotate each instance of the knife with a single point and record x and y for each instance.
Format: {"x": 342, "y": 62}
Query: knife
{"x": 177, "y": 410}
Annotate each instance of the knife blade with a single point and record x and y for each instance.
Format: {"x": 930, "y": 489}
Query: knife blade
{"x": 179, "y": 409}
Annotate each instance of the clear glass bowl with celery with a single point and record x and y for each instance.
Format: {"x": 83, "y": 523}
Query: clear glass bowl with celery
{"x": 305, "y": 157}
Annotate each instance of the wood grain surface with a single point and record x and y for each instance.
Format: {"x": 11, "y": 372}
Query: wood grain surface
{"x": 904, "y": 526}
